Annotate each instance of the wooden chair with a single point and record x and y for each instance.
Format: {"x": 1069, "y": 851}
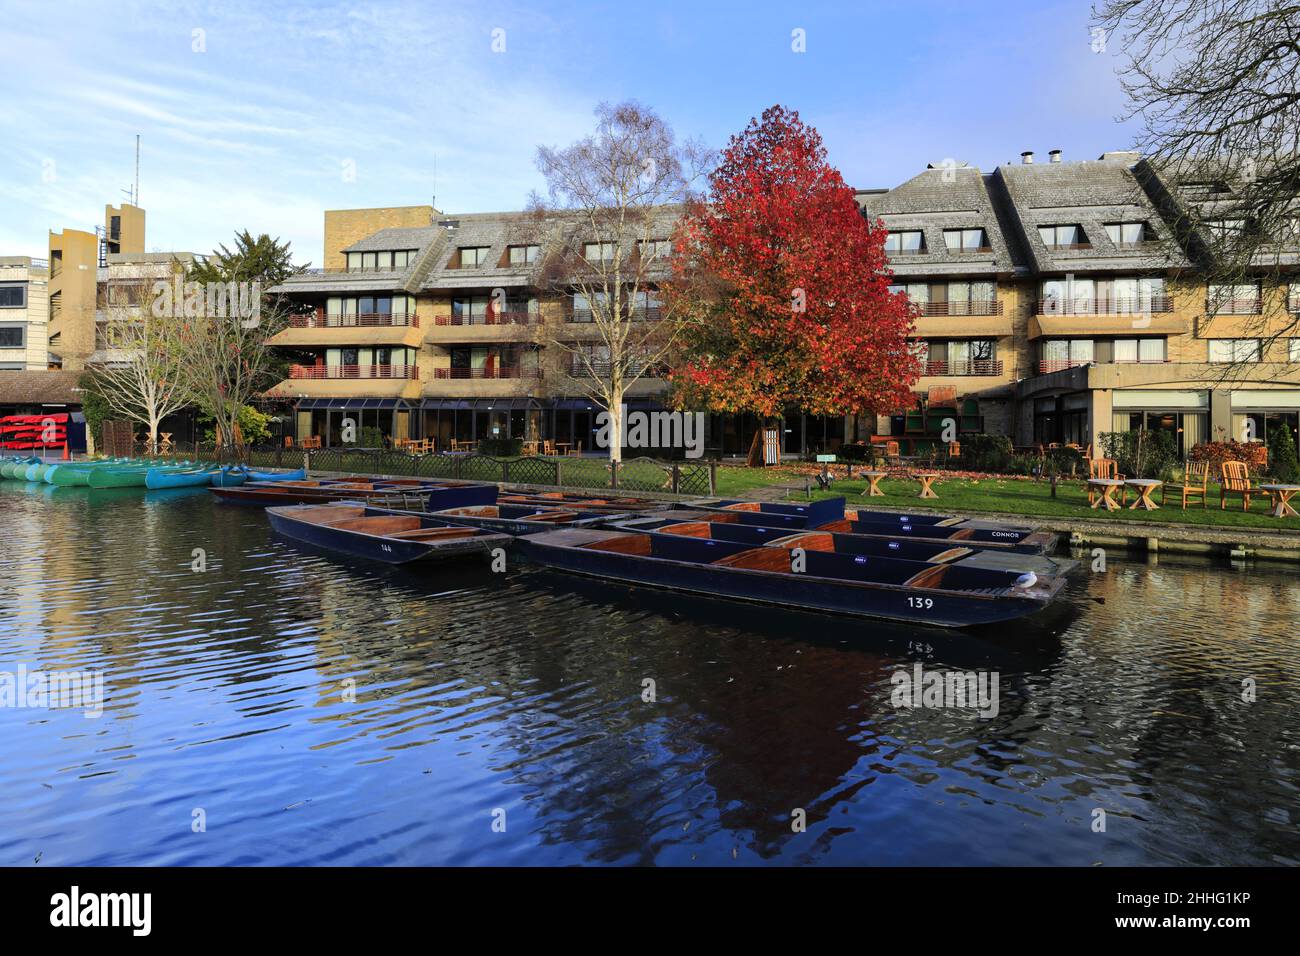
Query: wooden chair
{"x": 548, "y": 446}
{"x": 1196, "y": 481}
{"x": 288, "y": 441}
{"x": 1103, "y": 468}
{"x": 576, "y": 450}
{"x": 311, "y": 441}
{"x": 892, "y": 457}
{"x": 1235, "y": 480}
{"x": 954, "y": 450}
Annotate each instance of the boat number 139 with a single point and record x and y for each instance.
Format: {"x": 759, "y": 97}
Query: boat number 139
{"x": 921, "y": 602}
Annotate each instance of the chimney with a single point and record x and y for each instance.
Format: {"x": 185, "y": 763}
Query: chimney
{"x": 1054, "y": 156}
{"x": 1027, "y": 157}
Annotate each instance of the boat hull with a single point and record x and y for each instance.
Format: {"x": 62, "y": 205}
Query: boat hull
{"x": 298, "y": 475}
{"x": 262, "y": 495}
{"x": 387, "y": 550}
{"x": 157, "y": 478}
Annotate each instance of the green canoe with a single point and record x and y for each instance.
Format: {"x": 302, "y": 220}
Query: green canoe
{"x": 127, "y": 476}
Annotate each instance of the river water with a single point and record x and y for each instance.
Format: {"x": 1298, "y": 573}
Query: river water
{"x": 284, "y": 707}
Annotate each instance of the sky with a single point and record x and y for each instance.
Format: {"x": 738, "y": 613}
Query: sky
{"x": 261, "y": 115}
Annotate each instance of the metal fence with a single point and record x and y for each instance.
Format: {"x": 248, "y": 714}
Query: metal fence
{"x": 696, "y": 478}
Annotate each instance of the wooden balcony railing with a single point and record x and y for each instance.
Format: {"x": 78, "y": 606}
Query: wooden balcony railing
{"x": 976, "y": 307}
{"x": 488, "y": 371}
{"x": 353, "y": 371}
{"x": 1095, "y": 306}
{"x": 363, "y": 320}
{"x": 970, "y": 367}
{"x": 491, "y": 318}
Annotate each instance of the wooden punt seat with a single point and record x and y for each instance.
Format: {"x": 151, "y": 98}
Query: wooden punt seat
{"x": 745, "y": 506}
{"x": 382, "y": 525}
{"x": 298, "y": 484}
{"x": 948, "y": 522}
{"x": 757, "y": 559}
{"x": 808, "y": 540}
{"x": 328, "y": 514}
{"x": 690, "y": 529}
{"x": 951, "y": 555}
{"x": 842, "y": 527}
{"x": 555, "y": 516}
{"x": 434, "y": 534}
{"x": 638, "y": 544}
{"x": 961, "y": 534}
{"x": 931, "y": 577}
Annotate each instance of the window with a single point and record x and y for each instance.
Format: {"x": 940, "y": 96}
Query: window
{"x": 1294, "y": 299}
{"x": 646, "y": 305}
{"x": 655, "y": 248}
{"x": 1066, "y": 353}
{"x": 471, "y": 310}
{"x": 966, "y": 240}
{"x": 1234, "y": 350}
{"x": 910, "y": 243}
{"x": 13, "y": 296}
{"x": 1128, "y": 233}
{"x": 1206, "y": 189}
{"x": 354, "y": 260}
{"x": 1063, "y": 237}
{"x": 12, "y": 336}
{"x": 471, "y": 257}
{"x": 1138, "y": 350}
{"x": 1240, "y": 299}
{"x": 582, "y": 306}
{"x": 1293, "y": 350}
{"x": 1225, "y": 230}
{"x": 523, "y": 255}
{"x": 598, "y": 251}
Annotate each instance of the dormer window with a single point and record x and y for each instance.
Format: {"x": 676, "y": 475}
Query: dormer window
{"x": 1206, "y": 189}
{"x": 655, "y": 248}
{"x": 472, "y": 257}
{"x": 523, "y": 255}
{"x": 598, "y": 251}
{"x": 905, "y": 243}
{"x": 1063, "y": 237}
{"x": 966, "y": 240}
{"x": 1129, "y": 233}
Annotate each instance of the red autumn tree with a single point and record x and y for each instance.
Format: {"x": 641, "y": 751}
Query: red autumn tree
{"x": 782, "y": 287}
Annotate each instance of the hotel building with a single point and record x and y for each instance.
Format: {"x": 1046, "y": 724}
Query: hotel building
{"x": 1057, "y": 300}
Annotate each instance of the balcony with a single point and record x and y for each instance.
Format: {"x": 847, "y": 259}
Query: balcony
{"x": 491, "y": 318}
{"x": 363, "y": 320}
{"x": 487, "y": 372}
{"x": 1047, "y": 366}
{"x": 582, "y": 316}
{"x": 978, "y": 307}
{"x": 971, "y": 367}
{"x": 1093, "y": 306}
{"x": 408, "y": 372}
{"x": 1233, "y": 306}
{"x": 581, "y": 370}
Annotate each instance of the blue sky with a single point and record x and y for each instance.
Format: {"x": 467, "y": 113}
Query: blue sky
{"x": 257, "y": 129}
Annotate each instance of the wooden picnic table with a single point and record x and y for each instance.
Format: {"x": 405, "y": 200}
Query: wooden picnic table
{"x": 1281, "y": 499}
{"x": 1107, "y": 487}
{"x": 926, "y": 478}
{"x": 1144, "y": 487}
{"x": 873, "y": 489}
{"x": 562, "y": 447}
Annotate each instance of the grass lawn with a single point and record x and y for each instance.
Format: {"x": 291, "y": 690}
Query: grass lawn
{"x": 1011, "y": 496}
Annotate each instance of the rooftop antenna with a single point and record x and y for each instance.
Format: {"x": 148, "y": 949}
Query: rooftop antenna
{"x": 433, "y": 200}
{"x": 133, "y": 194}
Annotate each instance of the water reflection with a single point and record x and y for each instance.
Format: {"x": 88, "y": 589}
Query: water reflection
{"x": 321, "y": 711}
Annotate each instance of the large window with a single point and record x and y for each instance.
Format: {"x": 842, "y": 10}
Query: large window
{"x": 1234, "y": 350}
{"x": 523, "y": 255}
{"x": 12, "y": 336}
{"x": 1066, "y": 353}
{"x": 950, "y": 298}
{"x": 908, "y": 243}
{"x": 655, "y": 248}
{"x": 1293, "y": 350}
{"x": 1063, "y": 237}
{"x": 472, "y": 257}
{"x": 1124, "y": 296}
{"x": 599, "y": 251}
{"x": 380, "y": 261}
{"x": 13, "y": 296}
{"x": 1239, "y": 299}
{"x": 582, "y": 306}
{"x": 966, "y": 240}
{"x": 368, "y": 309}
{"x": 1138, "y": 350}
{"x": 1128, "y": 233}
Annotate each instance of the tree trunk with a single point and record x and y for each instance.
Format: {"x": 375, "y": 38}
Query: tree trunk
{"x": 616, "y": 425}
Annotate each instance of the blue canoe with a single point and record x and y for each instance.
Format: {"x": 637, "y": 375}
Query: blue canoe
{"x": 230, "y": 477}
{"x": 299, "y": 475}
{"x": 156, "y": 478}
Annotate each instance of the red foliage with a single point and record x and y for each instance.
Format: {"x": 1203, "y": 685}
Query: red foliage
{"x": 786, "y": 286}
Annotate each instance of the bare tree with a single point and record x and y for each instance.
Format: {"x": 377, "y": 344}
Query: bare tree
{"x": 611, "y": 205}
{"x": 141, "y": 376}
{"x": 1215, "y": 87}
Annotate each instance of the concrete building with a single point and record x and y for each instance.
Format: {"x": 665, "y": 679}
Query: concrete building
{"x": 24, "y": 316}
{"x": 124, "y": 283}
{"x": 76, "y": 257}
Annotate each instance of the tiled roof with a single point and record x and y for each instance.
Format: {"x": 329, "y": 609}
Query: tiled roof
{"x": 50, "y": 387}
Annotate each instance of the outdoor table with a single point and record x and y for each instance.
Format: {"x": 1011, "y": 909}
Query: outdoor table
{"x": 873, "y": 489}
{"x": 562, "y": 447}
{"x": 1144, "y": 487}
{"x": 1281, "y": 498}
{"x": 926, "y": 478}
{"x": 1107, "y": 487}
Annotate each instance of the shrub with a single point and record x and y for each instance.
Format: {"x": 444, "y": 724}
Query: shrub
{"x": 1217, "y": 452}
{"x": 1282, "y": 457}
{"x": 854, "y": 452}
{"x": 1063, "y": 461}
{"x": 254, "y": 427}
{"x": 1140, "y": 454}
{"x": 986, "y": 452}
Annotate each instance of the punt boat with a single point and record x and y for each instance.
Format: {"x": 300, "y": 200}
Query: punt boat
{"x": 381, "y": 536}
{"x": 696, "y": 525}
{"x": 310, "y": 491}
{"x": 585, "y": 501}
{"x": 944, "y": 595}
{"x": 831, "y": 515}
{"x": 507, "y": 518}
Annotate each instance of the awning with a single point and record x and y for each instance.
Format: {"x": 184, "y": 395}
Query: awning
{"x": 478, "y": 404}
{"x": 354, "y": 404}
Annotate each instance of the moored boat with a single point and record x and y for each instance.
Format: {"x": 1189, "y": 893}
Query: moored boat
{"x": 156, "y": 478}
{"x": 229, "y": 476}
{"x": 587, "y": 501}
{"x": 512, "y": 519}
{"x": 944, "y": 595}
{"x": 383, "y": 536}
{"x": 263, "y": 494}
{"x": 298, "y": 475}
